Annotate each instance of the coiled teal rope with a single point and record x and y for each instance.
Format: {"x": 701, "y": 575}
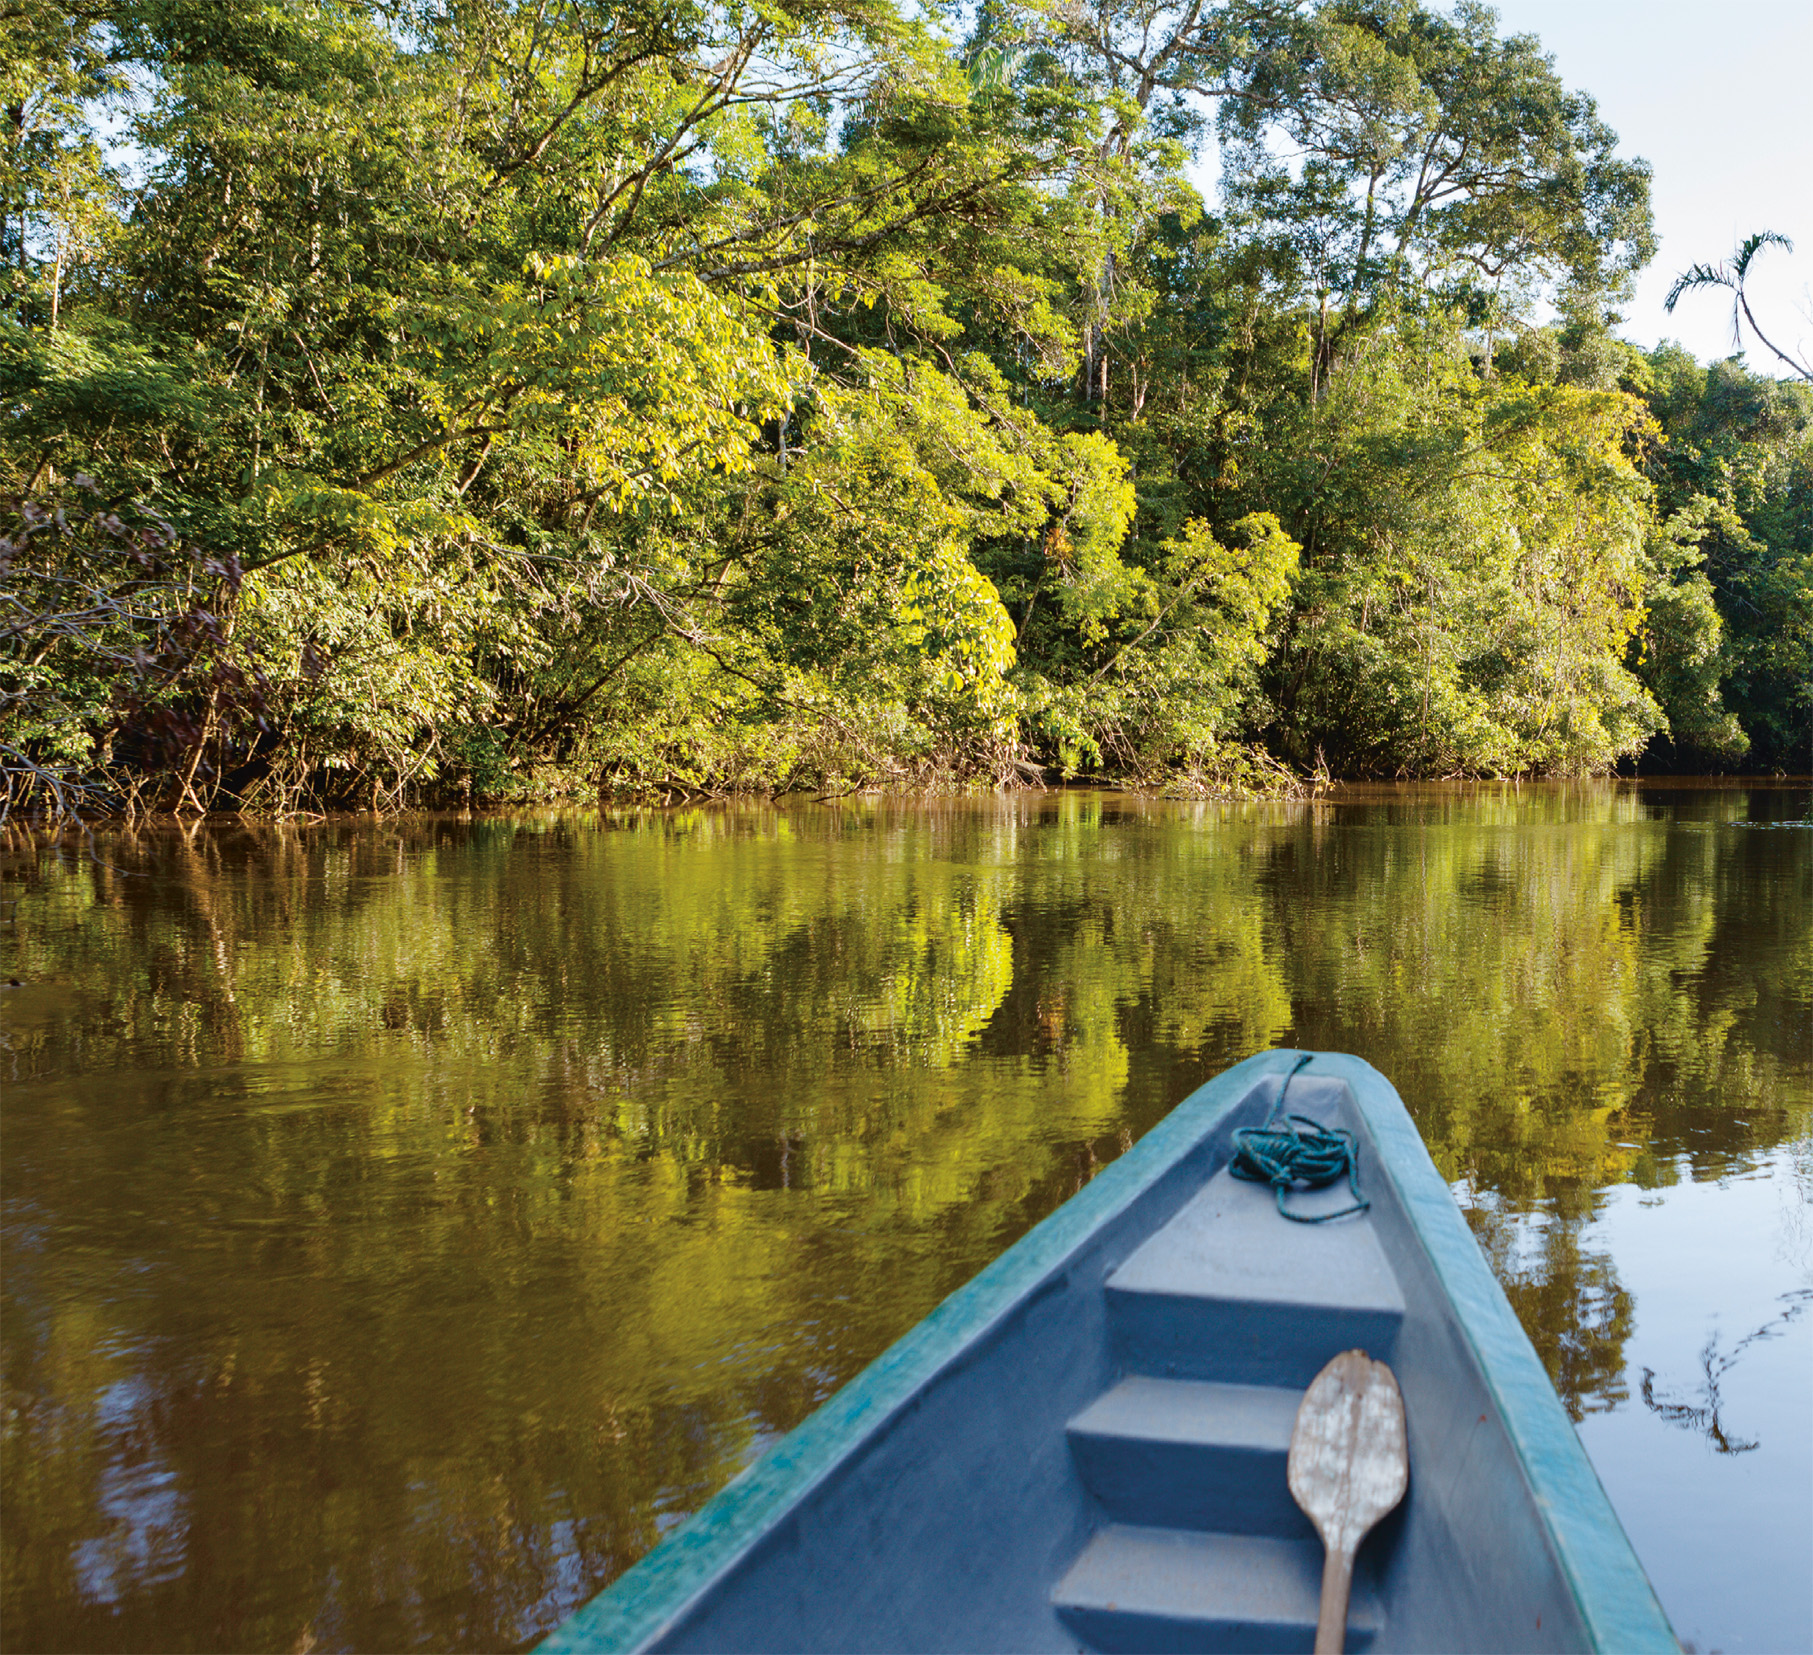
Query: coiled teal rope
{"x": 1287, "y": 1157}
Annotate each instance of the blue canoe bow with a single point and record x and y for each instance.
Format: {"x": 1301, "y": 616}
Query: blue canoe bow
{"x": 1084, "y": 1448}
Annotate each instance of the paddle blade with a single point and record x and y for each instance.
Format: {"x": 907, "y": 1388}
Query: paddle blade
{"x": 1349, "y": 1464}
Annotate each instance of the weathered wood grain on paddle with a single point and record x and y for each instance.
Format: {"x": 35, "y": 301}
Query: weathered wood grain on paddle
{"x": 1348, "y": 1467}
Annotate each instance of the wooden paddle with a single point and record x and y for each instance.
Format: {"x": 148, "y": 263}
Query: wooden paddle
{"x": 1348, "y": 1467}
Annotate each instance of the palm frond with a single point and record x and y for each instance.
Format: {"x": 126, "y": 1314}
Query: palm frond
{"x": 1752, "y": 245}
{"x": 1699, "y": 275}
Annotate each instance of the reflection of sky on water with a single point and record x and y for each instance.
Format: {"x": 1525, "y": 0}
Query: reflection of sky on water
{"x": 1708, "y": 1456}
{"x": 147, "y": 1512}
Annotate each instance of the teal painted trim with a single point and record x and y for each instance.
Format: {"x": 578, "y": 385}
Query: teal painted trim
{"x": 648, "y": 1597}
{"x": 1618, "y": 1606}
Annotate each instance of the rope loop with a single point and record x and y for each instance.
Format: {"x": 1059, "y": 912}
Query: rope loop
{"x": 1292, "y": 1151}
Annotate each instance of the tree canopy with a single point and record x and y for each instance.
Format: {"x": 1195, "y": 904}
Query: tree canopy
{"x": 453, "y": 400}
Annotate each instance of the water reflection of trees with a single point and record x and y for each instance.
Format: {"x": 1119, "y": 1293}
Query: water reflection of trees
{"x": 461, "y": 1201}
{"x": 1568, "y": 1296}
{"x": 1704, "y": 1414}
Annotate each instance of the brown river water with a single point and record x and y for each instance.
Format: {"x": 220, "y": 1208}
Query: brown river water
{"x": 406, "y": 1223}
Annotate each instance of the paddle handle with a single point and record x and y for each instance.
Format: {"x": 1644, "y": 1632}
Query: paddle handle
{"x": 1337, "y": 1584}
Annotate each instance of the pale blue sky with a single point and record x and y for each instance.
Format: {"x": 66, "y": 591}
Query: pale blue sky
{"x": 1715, "y": 95}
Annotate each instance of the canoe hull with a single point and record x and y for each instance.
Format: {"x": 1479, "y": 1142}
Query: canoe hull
{"x": 947, "y": 1497}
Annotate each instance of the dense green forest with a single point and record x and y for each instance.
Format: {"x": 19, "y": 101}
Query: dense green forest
{"x": 470, "y": 398}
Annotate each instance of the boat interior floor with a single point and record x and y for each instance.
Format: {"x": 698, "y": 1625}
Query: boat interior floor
{"x": 1220, "y": 1320}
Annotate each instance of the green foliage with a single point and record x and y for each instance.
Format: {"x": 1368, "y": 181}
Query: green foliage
{"x": 1434, "y": 161}
{"x": 668, "y": 398}
{"x": 1475, "y": 568}
{"x": 1733, "y": 473}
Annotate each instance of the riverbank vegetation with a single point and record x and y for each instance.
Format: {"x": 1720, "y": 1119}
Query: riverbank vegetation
{"x": 420, "y": 401}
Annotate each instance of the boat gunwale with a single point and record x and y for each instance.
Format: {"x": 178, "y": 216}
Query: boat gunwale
{"x": 1612, "y": 1595}
{"x": 1617, "y": 1604}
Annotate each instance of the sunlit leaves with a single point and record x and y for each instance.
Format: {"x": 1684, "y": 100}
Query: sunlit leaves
{"x": 797, "y": 395}
{"x": 1431, "y": 155}
{"x": 1475, "y": 569}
